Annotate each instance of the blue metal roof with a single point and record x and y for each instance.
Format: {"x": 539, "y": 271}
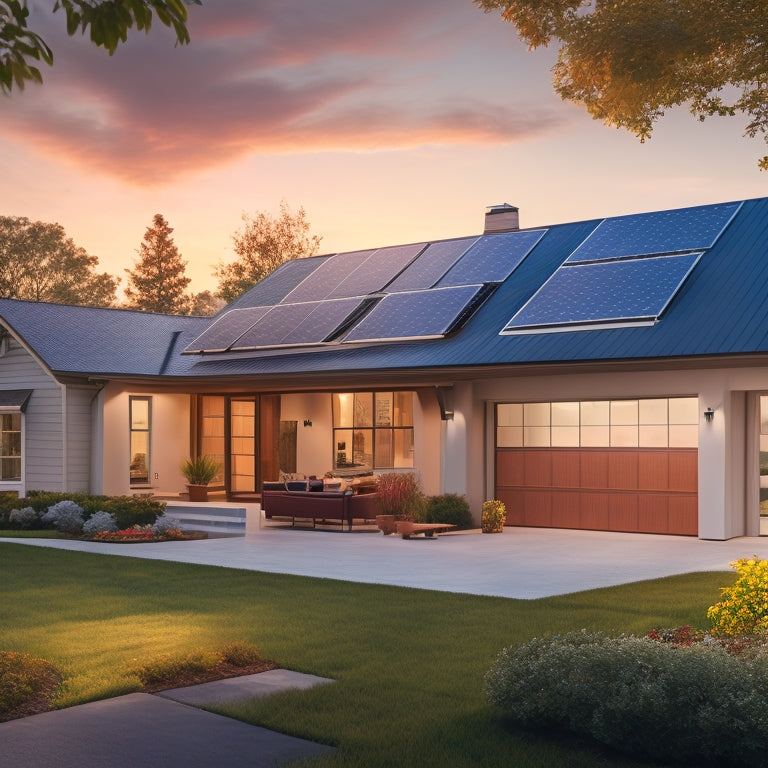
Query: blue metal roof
{"x": 721, "y": 309}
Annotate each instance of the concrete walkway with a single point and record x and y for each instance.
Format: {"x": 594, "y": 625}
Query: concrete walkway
{"x": 161, "y": 730}
{"x": 526, "y": 563}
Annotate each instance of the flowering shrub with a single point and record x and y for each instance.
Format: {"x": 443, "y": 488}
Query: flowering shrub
{"x": 164, "y": 523}
{"x": 681, "y": 703}
{"x": 140, "y": 533}
{"x": 65, "y": 516}
{"x": 23, "y": 518}
{"x": 98, "y": 523}
{"x": 743, "y": 608}
{"x": 493, "y": 515}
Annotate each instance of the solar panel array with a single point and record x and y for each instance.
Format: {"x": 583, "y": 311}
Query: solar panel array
{"x": 627, "y": 291}
{"x": 626, "y": 272}
{"x": 420, "y": 290}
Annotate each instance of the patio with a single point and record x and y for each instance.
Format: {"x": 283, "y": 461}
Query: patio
{"x": 524, "y": 563}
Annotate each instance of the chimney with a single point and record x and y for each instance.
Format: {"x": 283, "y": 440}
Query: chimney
{"x": 501, "y": 218}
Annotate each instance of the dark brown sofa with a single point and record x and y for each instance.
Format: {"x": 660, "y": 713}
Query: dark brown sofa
{"x": 319, "y": 505}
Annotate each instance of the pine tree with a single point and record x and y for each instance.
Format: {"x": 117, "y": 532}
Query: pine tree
{"x": 158, "y": 282}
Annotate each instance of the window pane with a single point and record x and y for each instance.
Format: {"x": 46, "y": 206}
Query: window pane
{"x": 653, "y": 411}
{"x": 11, "y": 444}
{"x": 342, "y": 409}
{"x": 403, "y": 409}
{"x": 623, "y": 436}
{"x": 384, "y": 448}
{"x": 383, "y": 411}
{"x": 536, "y": 414}
{"x": 683, "y": 436}
{"x": 212, "y": 405}
{"x": 594, "y": 437}
{"x": 342, "y": 439}
{"x": 243, "y": 426}
{"x": 536, "y": 437}
{"x": 10, "y": 469}
{"x": 509, "y": 437}
{"x": 139, "y": 469}
{"x": 362, "y": 448}
{"x": 683, "y": 410}
{"x": 364, "y": 409}
{"x": 565, "y": 414}
{"x": 623, "y": 412}
{"x": 653, "y": 436}
{"x": 595, "y": 413}
{"x": 510, "y": 414}
{"x": 565, "y": 436}
{"x": 139, "y": 413}
{"x": 403, "y": 448}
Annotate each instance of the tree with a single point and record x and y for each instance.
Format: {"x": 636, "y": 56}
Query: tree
{"x": 38, "y": 262}
{"x": 627, "y": 61}
{"x": 108, "y": 22}
{"x": 205, "y": 303}
{"x": 262, "y": 245}
{"x": 158, "y": 282}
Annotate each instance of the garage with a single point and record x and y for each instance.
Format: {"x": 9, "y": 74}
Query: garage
{"x": 614, "y": 465}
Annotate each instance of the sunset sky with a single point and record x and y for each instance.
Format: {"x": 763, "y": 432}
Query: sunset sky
{"x": 388, "y": 121}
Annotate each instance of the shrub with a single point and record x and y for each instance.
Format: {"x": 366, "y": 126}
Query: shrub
{"x": 743, "y": 608}
{"x": 133, "y": 510}
{"x": 65, "y": 516}
{"x": 400, "y": 494}
{"x": 448, "y": 508}
{"x": 493, "y": 515}
{"x": 170, "y": 667}
{"x": 164, "y": 524}
{"x": 24, "y": 679}
{"x": 23, "y": 518}
{"x": 98, "y": 523}
{"x": 240, "y": 654}
{"x": 695, "y": 704}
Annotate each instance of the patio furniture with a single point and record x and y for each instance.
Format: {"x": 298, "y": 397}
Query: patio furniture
{"x": 318, "y": 506}
{"x": 407, "y": 529}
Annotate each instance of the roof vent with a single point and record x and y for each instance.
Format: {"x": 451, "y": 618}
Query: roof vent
{"x": 501, "y": 218}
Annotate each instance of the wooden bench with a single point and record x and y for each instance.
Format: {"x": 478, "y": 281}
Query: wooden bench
{"x": 407, "y": 529}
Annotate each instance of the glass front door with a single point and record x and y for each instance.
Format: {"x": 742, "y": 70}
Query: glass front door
{"x": 242, "y": 445}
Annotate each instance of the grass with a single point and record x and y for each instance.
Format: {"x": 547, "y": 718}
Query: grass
{"x": 408, "y": 664}
{"x": 20, "y": 534}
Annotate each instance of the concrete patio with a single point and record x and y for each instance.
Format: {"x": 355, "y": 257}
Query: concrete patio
{"x": 525, "y": 563}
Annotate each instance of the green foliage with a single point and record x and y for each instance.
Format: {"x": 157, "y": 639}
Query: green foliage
{"x": 24, "y": 678}
{"x": 696, "y": 703}
{"x": 200, "y": 470}
{"x": 107, "y": 22}
{"x": 447, "y": 508}
{"x": 262, "y": 245}
{"x": 158, "y": 282}
{"x": 493, "y": 515}
{"x": 127, "y": 510}
{"x": 240, "y": 654}
{"x": 169, "y": 667}
{"x": 38, "y": 262}
{"x": 400, "y": 495}
{"x": 743, "y": 608}
{"x": 627, "y": 62}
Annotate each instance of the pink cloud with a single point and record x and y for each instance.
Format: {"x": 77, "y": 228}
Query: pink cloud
{"x": 277, "y": 76}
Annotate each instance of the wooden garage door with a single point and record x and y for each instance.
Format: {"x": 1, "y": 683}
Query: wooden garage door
{"x": 648, "y": 490}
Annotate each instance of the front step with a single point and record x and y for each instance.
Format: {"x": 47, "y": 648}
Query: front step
{"x": 209, "y": 518}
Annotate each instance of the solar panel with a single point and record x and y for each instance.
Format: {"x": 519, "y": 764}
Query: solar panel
{"x": 492, "y": 258}
{"x": 226, "y": 330}
{"x": 416, "y": 314}
{"x": 614, "y": 292}
{"x": 327, "y": 277}
{"x": 643, "y": 234}
{"x": 325, "y": 321}
{"x": 277, "y": 323}
{"x": 431, "y": 265}
{"x": 376, "y": 271}
{"x": 275, "y": 286}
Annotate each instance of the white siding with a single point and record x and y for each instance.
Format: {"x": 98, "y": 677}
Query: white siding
{"x": 42, "y": 467}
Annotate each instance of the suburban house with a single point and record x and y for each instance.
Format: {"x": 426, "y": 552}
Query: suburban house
{"x": 608, "y": 374}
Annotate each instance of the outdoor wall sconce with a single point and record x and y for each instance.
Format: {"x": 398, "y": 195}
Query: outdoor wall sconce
{"x": 709, "y": 414}
{"x": 307, "y": 422}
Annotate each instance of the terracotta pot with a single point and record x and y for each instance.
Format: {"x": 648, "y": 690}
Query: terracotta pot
{"x": 198, "y": 492}
{"x": 386, "y": 524}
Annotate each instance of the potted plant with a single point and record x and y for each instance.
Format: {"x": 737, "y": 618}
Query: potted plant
{"x": 493, "y": 516}
{"x": 399, "y": 496}
{"x": 199, "y": 472}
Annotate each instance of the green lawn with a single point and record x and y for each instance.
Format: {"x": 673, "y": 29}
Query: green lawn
{"x": 408, "y": 664}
